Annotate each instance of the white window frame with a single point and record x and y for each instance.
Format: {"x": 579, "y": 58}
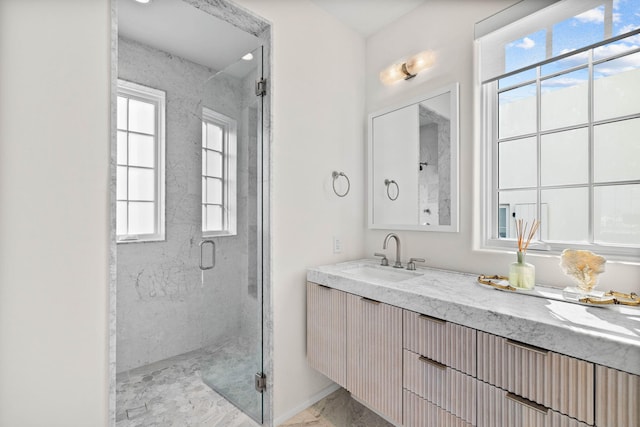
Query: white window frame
{"x": 229, "y": 173}
{"x": 487, "y": 113}
{"x": 158, "y": 97}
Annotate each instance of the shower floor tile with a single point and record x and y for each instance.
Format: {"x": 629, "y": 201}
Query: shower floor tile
{"x": 230, "y": 371}
{"x": 170, "y": 393}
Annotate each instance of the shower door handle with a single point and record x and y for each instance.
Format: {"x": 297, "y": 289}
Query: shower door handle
{"x": 213, "y": 255}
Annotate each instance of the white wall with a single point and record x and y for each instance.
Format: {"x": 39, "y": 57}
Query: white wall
{"x": 447, "y": 27}
{"x": 54, "y": 212}
{"x": 318, "y": 127}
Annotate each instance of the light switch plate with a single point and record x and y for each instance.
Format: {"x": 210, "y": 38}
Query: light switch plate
{"x": 337, "y": 245}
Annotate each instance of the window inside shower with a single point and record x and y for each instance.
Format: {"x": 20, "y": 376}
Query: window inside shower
{"x": 219, "y": 177}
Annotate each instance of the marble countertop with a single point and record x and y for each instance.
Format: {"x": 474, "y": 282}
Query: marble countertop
{"x": 609, "y": 336}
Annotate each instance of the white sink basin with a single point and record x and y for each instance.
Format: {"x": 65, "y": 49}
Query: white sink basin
{"x": 387, "y": 274}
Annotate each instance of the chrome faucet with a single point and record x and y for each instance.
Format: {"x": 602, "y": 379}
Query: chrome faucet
{"x": 397, "y": 264}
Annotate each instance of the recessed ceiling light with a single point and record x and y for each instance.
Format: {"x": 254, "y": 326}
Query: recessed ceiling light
{"x": 248, "y": 56}
{"x": 143, "y": 1}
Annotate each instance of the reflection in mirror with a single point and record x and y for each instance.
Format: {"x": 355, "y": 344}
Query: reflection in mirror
{"x": 413, "y": 164}
{"x": 434, "y": 196}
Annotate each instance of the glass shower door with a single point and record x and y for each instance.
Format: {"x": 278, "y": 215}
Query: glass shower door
{"x": 232, "y": 219}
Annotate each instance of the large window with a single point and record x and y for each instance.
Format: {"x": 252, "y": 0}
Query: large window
{"x": 219, "y": 158}
{"x": 140, "y": 163}
{"x": 561, "y": 120}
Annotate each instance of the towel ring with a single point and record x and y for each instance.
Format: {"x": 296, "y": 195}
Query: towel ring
{"x": 388, "y": 183}
{"x": 337, "y": 175}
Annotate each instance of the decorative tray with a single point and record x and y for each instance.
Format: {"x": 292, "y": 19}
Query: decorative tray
{"x": 570, "y": 294}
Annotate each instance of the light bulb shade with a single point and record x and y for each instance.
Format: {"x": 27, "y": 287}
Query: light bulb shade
{"x": 406, "y": 70}
{"x": 392, "y": 74}
{"x": 420, "y": 62}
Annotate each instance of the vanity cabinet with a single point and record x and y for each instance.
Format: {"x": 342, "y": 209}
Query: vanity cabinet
{"x": 561, "y": 383}
{"x": 374, "y": 355}
{"x": 445, "y": 342}
{"x": 498, "y": 407}
{"x": 553, "y": 380}
{"x": 327, "y": 331}
{"x": 419, "y": 412}
{"x": 439, "y": 371}
{"x": 617, "y": 397}
{"x": 419, "y": 371}
{"x": 357, "y": 342}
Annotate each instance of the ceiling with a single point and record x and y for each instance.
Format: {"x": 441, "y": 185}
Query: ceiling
{"x": 368, "y": 16}
{"x": 183, "y": 30}
{"x": 180, "y": 29}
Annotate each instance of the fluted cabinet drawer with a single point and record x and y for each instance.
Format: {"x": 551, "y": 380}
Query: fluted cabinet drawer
{"x": 559, "y": 382}
{"x": 419, "y": 412}
{"x": 428, "y": 379}
{"x": 445, "y": 342}
{"x": 374, "y": 355}
{"x": 497, "y": 407}
{"x": 425, "y": 335}
{"x": 617, "y": 398}
{"x": 463, "y": 401}
{"x": 447, "y": 388}
{"x": 327, "y": 331}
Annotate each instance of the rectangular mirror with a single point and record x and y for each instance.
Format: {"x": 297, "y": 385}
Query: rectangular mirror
{"x": 413, "y": 164}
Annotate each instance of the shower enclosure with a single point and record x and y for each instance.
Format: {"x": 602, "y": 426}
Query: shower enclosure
{"x": 190, "y": 278}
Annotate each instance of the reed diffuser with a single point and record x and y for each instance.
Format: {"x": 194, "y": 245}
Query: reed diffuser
{"x": 522, "y": 275}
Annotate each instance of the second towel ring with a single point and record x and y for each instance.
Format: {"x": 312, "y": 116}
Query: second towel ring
{"x": 388, "y": 183}
{"x": 337, "y": 175}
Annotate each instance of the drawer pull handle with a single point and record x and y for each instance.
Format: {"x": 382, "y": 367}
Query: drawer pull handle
{"x": 432, "y": 362}
{"x": 527, "y": 347}
{"x": 526, "y": 402}
{"x": 370, "y": 301}
{"x": 433, "y": 319}
{"x": 323, "y": 286}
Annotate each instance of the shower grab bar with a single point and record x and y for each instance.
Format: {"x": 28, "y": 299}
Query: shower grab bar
{"x": 213, "y": 255}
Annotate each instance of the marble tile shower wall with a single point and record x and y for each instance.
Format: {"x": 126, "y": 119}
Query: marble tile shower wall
{"x": 434, "y": 178}
{"x": 163, "y": 306}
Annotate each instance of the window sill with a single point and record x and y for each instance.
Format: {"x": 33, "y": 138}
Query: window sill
{"x": 630, "y": 256}
{"x": 141, "y": 240}
{"x": 218, "y": 234}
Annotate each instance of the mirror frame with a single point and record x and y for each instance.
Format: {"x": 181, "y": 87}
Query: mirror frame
{"x": 453, "y": 89}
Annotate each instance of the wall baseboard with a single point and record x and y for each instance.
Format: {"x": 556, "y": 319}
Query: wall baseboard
{"x": 301, "y": 407}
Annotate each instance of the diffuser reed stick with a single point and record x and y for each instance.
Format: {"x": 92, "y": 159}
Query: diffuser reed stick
{"x": 521, "y": 231}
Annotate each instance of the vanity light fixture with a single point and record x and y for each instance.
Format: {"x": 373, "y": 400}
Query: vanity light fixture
{"x": 407, "y": 69}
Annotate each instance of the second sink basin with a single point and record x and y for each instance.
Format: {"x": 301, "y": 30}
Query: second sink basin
{"x": 388, "y": 274}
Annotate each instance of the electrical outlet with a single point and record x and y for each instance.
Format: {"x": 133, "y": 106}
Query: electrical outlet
{"x": 337, "y": 245}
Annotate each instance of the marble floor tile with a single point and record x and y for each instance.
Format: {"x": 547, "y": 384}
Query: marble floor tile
{"x": 171, "y": 393}
{"x": 338, "y": 409}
